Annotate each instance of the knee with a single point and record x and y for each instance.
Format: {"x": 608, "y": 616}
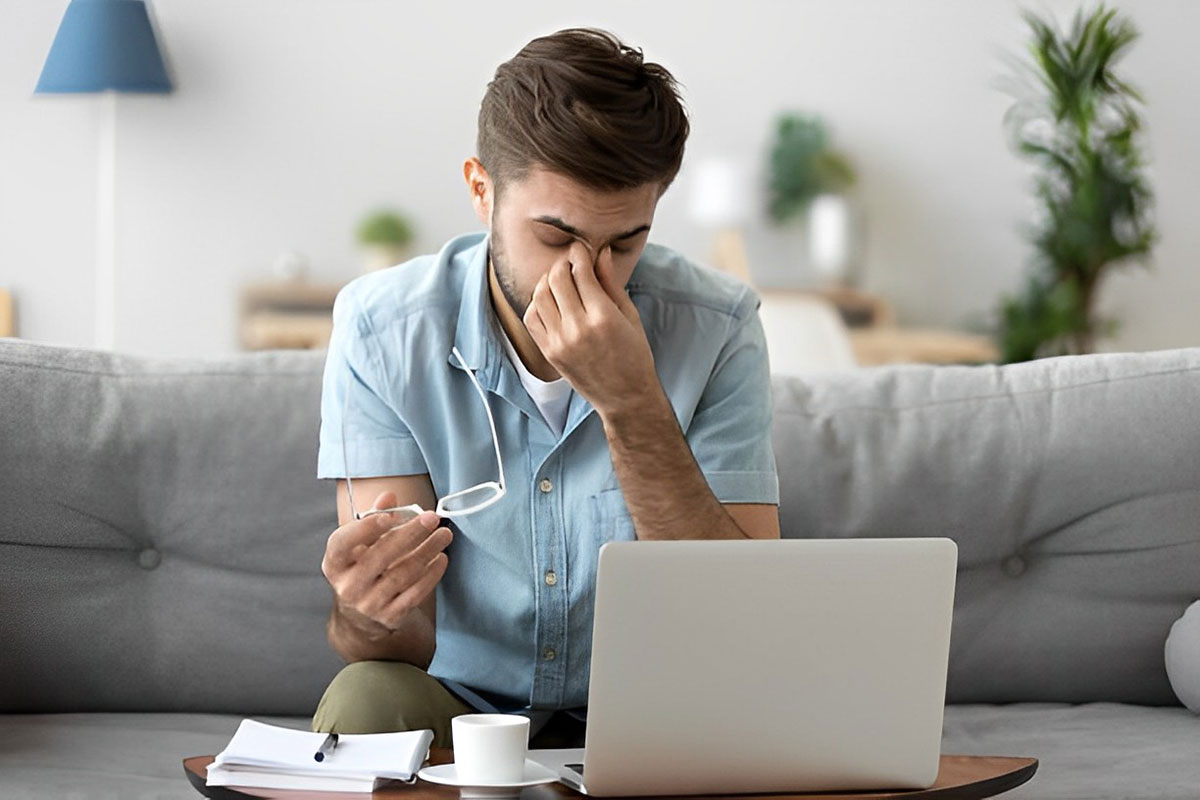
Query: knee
{"x": 371, "y": 697}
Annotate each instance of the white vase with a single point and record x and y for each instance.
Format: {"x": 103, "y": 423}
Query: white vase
{"x": 834, "y": 239}
{"x": 382, "y": 256}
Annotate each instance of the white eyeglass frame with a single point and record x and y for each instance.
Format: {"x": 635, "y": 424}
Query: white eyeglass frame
{"x": 498, "y": 487}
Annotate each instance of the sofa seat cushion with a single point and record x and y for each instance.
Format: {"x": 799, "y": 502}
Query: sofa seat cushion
{"x": 109, "y": 756}
{"x": 1099, "y": 751}
{"x": 1096, "y": 751}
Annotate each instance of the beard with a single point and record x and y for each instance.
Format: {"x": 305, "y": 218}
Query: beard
{"x": 504, "y": 276}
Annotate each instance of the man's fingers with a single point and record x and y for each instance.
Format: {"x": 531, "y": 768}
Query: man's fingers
{"x": 386, "y": 499}
{"x": 591, "y": 292}
{"x": 404, "y": 573}
{"x": 544, "y": 301}
{"x": 401, "y": 580}
{"x": 607, "y": 280}
{"x": 349, "y": 542}
{"x": 397, "y": 544}
{"x": 421, "y": 551}
{"x": 566, "y": 294}
{"x": 370, "y": 585}
{"x": 535, "y": 326}
{"x": 413, "y": 595}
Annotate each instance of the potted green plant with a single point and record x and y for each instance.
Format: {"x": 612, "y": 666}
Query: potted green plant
{"x": 803, "y": 166}
{"x": 386, "y": 236}
{"x": 1079, "y": 124}
{"x": 809, "y": 180}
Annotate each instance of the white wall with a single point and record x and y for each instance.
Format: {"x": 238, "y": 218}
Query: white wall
{"x": 292, "y": 118}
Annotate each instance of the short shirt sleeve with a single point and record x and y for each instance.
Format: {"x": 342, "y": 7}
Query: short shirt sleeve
{"x": 362, "y": 435}
{"x": 730, "y": 433}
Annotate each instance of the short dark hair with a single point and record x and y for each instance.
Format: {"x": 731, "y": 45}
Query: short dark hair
{"x": 581, "y": 103}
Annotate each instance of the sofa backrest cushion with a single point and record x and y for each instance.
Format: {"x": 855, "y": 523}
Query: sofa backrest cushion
{"x": 162, "y": 528}
{"x": 1071, "y": 485}
{"x": 161, "y": 534}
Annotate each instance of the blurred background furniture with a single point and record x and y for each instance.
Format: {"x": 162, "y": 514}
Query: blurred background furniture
{"x": 804, "y": 333}
{"x": 838, "y": 327}
{"x": 890, "y": 344}
{"x": 293, "y": 314}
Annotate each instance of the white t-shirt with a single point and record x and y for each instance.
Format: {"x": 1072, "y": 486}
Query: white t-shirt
{"x": 551, "y": 397}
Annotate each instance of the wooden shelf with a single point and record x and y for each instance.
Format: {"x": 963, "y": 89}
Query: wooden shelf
{"x": 891, "y": 345}
{"x": 286, "y": 315}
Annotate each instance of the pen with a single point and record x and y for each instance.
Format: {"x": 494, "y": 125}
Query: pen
{"x": 327, "y": 747}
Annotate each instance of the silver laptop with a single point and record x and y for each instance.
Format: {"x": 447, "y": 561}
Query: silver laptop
{"x": 766, "y": 666}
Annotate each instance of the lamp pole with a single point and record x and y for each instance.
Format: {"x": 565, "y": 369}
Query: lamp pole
{"x": 105, "y": 47}
{"x": 106, "y": 225}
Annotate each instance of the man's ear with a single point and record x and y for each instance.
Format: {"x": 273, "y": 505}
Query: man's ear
{"x": 480, "y": 188}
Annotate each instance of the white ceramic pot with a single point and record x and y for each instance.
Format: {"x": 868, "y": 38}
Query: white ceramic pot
{"x": 382, "y": 256}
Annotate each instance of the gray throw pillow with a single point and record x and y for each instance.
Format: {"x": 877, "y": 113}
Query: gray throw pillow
{"x": 1183, "y": 657}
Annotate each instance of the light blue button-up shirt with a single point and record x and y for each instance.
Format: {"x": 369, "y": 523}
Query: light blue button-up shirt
{"x": 514, "y": 609}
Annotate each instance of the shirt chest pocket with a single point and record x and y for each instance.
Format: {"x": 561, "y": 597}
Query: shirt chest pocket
{"x": 610, "y": 520}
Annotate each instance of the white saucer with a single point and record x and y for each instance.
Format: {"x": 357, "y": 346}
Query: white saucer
{"x": 447, "y": 774}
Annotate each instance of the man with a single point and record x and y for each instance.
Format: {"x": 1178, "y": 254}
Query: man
{"x": 629, "y": 390}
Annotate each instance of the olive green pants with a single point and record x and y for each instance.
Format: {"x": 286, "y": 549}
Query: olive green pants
{"x": 386, "y": 696}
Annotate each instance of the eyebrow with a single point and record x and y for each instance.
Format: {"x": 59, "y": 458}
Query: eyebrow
{"x": 573, "y": 231}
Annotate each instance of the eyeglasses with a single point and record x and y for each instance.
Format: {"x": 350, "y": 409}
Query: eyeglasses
{"x": 457, "y": 504}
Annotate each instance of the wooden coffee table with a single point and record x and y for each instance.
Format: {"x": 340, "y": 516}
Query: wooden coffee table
{"x": 959, "y": 778}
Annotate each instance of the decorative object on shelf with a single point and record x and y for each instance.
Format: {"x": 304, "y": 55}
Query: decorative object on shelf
{"x": 1078, "y": 122}
{"x": 290, "y": 266}
{"x": 810, "y": 181}
{"x": 721, "y": 199}
{"x": 386, "y": 236}
{"x": 831, "y": 238}
{"x": 105, "y": 47}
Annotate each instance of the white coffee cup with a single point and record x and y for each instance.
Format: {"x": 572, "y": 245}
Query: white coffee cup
{"x": 490, "y": 748}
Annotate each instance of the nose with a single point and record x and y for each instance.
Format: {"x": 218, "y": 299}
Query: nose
{"x": 588, "y": 248}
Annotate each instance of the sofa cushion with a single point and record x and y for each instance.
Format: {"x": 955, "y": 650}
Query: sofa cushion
{"x": 162, "y": 533}
{"x": 1102, "y": 751}
{"x": 1071, "y": 485}
{"x": 109, "y": 756}
{"x": 1095, "y": 751}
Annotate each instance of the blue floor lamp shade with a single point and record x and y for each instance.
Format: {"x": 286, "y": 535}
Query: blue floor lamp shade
{"x": 101, "y": 45}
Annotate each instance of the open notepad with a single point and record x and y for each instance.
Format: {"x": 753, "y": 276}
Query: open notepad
{"x": 270, "y": 757}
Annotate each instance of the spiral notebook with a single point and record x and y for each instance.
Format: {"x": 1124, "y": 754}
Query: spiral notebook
{"x": 271, "y": 757}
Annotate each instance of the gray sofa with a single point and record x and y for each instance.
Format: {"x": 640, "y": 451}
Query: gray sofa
{"x": 162, "y": 530}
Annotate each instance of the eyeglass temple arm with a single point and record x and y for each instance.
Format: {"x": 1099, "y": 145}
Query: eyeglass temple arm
{"x": 491, "y": 425}
{"x": 487, "y": 408}
{"x": 345, "y": 457}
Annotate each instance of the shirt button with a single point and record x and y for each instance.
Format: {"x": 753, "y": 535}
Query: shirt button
{"x": 546, "y": 486}
{"x": 549, "y": 654}
{"x": 551, "y": 578}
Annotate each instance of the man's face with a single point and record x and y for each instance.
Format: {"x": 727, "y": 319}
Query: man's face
{"x": 535, "y": 221}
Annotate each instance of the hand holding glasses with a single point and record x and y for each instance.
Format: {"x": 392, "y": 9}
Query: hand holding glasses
{"x": 382, "y": 570}
{"x": 454, "y": 505}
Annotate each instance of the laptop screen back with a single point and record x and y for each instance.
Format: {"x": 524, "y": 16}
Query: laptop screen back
{"x": 768, "y": 666}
